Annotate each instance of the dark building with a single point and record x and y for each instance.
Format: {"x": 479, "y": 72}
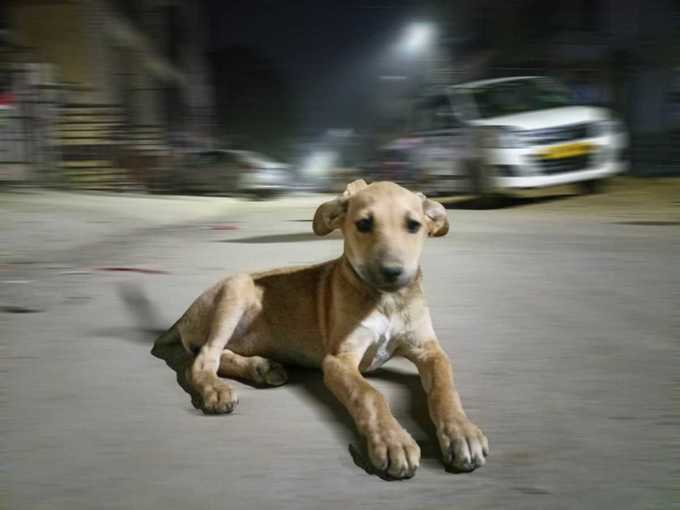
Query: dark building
{"x": 99, "y": 80}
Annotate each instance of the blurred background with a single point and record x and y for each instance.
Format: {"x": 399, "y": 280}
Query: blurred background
{"x": 263, "y": 98}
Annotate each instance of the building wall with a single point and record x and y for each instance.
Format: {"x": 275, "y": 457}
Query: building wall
{"x": 54, "y": 32}
{"x": 133, "y": 53}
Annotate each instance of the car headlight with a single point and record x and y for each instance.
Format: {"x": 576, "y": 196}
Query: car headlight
{"x": 605, "y": 127}
{"x": 502, "y": 137}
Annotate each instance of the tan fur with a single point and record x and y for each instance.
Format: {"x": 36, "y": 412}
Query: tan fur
{"x": 346, "y": 316}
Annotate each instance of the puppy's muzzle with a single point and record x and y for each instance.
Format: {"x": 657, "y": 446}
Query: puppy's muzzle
{"x": 391, "y": 274}
{"x": 387, "y": 277}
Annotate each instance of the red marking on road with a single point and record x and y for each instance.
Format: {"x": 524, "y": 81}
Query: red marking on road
{"x": 133, "y": 270}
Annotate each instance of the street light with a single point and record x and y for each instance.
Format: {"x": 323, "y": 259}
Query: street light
{"x": 408, "y": 68}
{"x": 418, "y": 37}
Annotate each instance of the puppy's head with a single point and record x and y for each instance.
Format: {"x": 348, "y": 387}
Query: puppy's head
{"x": 384, "y": 226}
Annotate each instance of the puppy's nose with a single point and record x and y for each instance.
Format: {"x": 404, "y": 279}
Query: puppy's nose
{"x": 391, "y": 273}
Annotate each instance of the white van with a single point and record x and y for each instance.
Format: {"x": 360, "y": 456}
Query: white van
{"x": 509, "y": 133}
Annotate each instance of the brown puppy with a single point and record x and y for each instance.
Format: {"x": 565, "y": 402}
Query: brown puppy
{"x": 347, "y": 316}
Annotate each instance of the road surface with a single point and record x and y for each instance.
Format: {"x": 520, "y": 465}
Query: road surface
{"x": 560, "y": 313}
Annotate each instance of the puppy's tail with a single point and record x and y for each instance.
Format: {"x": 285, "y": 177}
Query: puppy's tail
{"x": 146, "y": 315}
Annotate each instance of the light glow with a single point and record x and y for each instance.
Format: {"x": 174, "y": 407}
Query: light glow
{"x": 418, "y": 37}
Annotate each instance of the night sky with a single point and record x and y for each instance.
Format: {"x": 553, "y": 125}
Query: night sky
{"x": 330, "y": 52}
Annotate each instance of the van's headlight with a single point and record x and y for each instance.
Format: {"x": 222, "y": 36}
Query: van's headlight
{"x": 500, "y": 137}
{"x": 605, "y": 127}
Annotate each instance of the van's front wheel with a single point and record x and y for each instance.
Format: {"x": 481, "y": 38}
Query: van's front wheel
{"x": 479, "y": 182}
{"x": 479, "y": 186}
{"x": 592, "y": 186}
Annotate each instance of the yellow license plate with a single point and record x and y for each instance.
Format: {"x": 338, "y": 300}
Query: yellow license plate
{"x": 568, "y": 150}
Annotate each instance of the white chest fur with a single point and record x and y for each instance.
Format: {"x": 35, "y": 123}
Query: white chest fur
{"x": 381, "y": 339}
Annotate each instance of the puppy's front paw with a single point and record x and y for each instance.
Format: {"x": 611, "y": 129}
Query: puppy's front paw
{"x": 463, "y": 445}
{"x": 218, "y": 397}
{"x": 393, "y": 451}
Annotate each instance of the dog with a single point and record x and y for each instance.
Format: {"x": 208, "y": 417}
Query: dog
{"x": 347, "y": 316}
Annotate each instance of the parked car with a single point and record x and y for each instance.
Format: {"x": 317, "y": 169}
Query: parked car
{"x": 509, "y": 133}
{"x": 232, "y": 171}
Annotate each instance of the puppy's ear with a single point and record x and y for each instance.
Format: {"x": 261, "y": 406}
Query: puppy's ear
{"x": 331, "y": 214}
{"x": 437, "y": 220}
{"x": 354, "y": 187}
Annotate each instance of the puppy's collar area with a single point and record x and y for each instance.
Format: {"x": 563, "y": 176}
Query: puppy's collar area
{"x": 352, "y": 276}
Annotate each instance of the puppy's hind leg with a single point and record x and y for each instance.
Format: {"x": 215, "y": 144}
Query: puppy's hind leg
{"x": 252, "y": 368}
{"x": 229, "y": 304}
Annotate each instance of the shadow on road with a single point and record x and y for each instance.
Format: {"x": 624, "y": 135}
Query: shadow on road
{"x": 649, "y": 223}
{"x": 306, "y": 382}
{"x": 179, "y": 360}
{"x": 472, "y": 203}
{"x": 500, "y": 201}
{"x": 309, "y": 384}
{"x": 284, "y": 238}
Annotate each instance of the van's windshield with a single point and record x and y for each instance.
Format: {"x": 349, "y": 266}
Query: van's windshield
{"x": 518, "y": 96}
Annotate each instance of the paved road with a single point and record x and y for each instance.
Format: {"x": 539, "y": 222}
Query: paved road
{"x": 560, "y": 313}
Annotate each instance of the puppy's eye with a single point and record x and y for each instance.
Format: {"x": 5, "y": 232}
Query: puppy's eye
{"x": 364, "y": 225}
{"x": 412, "y": 226}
